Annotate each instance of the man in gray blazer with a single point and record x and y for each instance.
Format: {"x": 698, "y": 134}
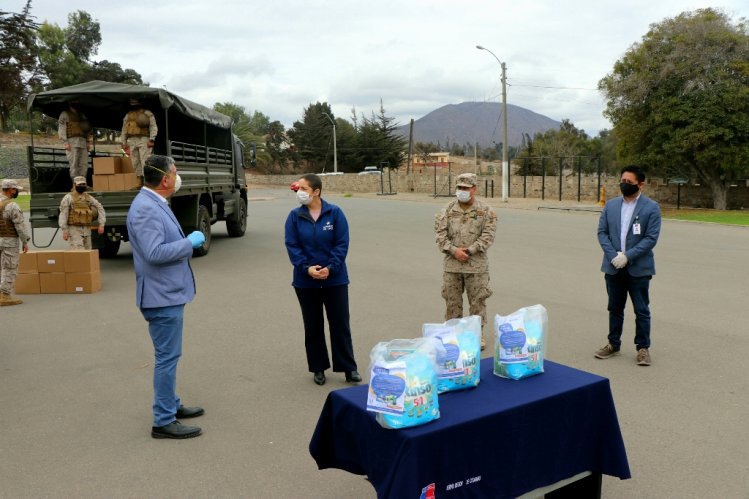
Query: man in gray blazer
{"x": 628, "y": 231}
{"x": 164, "y": 283}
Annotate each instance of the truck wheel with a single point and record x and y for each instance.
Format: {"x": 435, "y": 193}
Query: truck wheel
{"x": 110, "y": 248}
{"x": 236, "y": 224}
{"x": 204, "y": 226}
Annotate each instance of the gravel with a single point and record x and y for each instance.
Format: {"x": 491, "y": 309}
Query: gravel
{"x": 13, "y": 163}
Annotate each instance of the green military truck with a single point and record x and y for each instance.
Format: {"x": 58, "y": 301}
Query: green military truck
{"x": 209, "y": 157}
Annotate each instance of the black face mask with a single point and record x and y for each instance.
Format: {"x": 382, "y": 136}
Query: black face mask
{"x": 80, "y": 189}
{"x": 628, "y": 189}
{"x": 15, "y": 195}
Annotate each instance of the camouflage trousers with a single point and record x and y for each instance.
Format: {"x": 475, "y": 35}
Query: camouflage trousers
{"x": 79, "y": 237}
{"x": 476, "y": 287}
{"x": 77, "y": 157}
{"x": 9, "y": 257}
{"x": 139, "y": 153}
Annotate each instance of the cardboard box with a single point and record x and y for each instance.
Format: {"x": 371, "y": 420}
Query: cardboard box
{"x": 27, "y": 284}
{"x": 107, "y": 165}
{"x": 82, "y": 282}
{"x": 116, "y": 183}
{"x": 129, "y": 181}
{"x": 52, "y": 283}
{"x": 50, "y": 261}
{"x": 101, "y": 182}
{"x": 81, "y": 261}
{"x": 126, "y": 165}
{"x": 27, "y": 263}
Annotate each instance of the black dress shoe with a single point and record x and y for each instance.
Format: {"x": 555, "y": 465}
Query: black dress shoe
{"x": 319, "y": 378}
{"x": 189, "y": 412}
{"x": 353, "y": 376}
{"x": 175, "y": 429}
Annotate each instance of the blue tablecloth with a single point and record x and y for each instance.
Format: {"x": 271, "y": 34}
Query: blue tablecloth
{"x": 501, "y": 439}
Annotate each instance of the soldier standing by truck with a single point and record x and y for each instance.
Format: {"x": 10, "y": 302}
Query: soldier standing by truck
{"x": 78, "y": 210}
{"x": 12, "y": 231}
{"x": 73, "y": 128}
{"x": 139, "y": 132}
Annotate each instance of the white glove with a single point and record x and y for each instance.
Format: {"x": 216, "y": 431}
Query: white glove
{"x": 620, "y": 260}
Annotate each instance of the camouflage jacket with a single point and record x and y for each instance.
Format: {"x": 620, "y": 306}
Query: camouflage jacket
{"x": 12, "y": 213}
{"x": 473, "y": 228}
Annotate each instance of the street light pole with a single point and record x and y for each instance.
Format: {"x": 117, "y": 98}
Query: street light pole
{"x": 505, "y": 160}
{"x": 335, "y": 154}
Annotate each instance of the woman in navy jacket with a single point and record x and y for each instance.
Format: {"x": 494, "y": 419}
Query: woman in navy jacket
{"x": 317, "y": 241}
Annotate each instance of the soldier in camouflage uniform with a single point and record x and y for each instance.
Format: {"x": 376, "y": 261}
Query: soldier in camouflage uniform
{"x": 73, "y": 128}
{"x": 139, "y": 132}
{"x": 465, "y": 230}
{"x": 78, "y": 210}
{"x": 12, "y": 231}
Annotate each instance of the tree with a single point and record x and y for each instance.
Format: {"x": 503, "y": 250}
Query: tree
{"x": 679, "y": 99}
{"x": 242, "y": 127}
{"x": 313, "y": 136}
{"x": 111, "y": 71}
{"x": 18, "y": 63}
{"x": 277, "y": 145}
{"x": 65, "y": 54}
{"x": 382, "y": 144}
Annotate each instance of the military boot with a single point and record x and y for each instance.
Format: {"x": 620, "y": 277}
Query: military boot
{"x": 7, "y": 299}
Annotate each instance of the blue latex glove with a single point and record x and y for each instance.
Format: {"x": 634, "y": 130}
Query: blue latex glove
{"x": 196, "y": 239}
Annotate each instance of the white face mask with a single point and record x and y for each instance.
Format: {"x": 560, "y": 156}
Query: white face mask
{"x": 303, "y": 197}
{"x": 177, "y": 182}
{"x": 463, "y": 196}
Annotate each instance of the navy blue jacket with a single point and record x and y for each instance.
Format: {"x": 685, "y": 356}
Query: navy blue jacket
{"x": 639, "y": 246}
{"x": 323, "y": 242}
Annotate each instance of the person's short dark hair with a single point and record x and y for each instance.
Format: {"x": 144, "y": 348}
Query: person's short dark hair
{"x": 313, "y": 181}
{"x": 639, "y": 173}
{"x": 155, "y": 168}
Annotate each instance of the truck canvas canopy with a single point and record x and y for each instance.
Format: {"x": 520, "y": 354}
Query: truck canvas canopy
{"x": 106, "y": 103}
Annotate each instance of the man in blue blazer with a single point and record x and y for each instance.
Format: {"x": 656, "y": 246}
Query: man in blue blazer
{"x": 628, "y": 231}
{"x": 164, "y": 283}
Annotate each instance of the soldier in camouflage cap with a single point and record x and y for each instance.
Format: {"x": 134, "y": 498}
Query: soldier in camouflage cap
{"x": 78, "y": 210}
{"x": 139, "y": 132}
{"x": 12, "y": 232}
{"x": 465, "y": 230}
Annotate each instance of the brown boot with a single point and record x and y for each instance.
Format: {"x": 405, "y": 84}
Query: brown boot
{"x": 7, "y": 300}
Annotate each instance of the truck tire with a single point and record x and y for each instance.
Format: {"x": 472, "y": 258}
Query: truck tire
{"x": 236, "y": 224}
{"x": 107, "y": 248}
{"x": 110, "y": 248}
{"x": 204, "y": 226}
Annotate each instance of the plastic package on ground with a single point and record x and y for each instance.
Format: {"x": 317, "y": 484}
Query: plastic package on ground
{"x": 403, "y": 382}
{"x": 520, "y": 342}
{"x": 459, "y": 368}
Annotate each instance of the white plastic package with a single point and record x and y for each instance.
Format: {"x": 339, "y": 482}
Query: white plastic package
{"x": 403, "y": 382}
{"x": 520, "y": 342}
{"x": 460, "y": 367}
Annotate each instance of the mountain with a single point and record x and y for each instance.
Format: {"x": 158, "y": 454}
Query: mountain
{"x": 471, "y": 122}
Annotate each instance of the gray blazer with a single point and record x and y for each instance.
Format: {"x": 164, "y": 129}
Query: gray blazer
{"x": 161, "y": 254}
{"x": 639, "y": 246}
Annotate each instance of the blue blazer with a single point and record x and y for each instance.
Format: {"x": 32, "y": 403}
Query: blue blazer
{"x": 161, "y": 254}
{"x": 641, "y": 261}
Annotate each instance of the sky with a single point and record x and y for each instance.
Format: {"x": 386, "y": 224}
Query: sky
{"x": 413, "y": 56}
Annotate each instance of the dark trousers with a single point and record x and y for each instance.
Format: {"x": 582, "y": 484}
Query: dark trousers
{"x": 618, "y": 286}
{"x": 335, "y": 302}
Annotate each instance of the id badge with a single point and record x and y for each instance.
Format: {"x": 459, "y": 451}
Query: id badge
{"x": 636, "y": 229}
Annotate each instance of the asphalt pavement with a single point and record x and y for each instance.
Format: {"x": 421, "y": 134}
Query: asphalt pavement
{"x": 75, "y": 370}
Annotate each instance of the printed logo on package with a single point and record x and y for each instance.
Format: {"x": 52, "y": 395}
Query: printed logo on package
{"x": 520, "y": 340}
{"x": 387, "y": 388}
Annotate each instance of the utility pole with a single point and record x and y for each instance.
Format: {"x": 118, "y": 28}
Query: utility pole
{"x": 505, "y": 160}
{"x": 335, "y": 153}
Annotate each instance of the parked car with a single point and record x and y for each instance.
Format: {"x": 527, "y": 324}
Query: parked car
{"x": 370, "y": 170}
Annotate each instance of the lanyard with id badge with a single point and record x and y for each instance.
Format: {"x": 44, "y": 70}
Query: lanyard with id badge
{"x": 636, "y": 227}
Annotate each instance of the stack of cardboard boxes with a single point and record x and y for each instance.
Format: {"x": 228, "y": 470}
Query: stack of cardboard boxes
{"x": 114, "y": 173}
{"x": 73, "y": 272}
